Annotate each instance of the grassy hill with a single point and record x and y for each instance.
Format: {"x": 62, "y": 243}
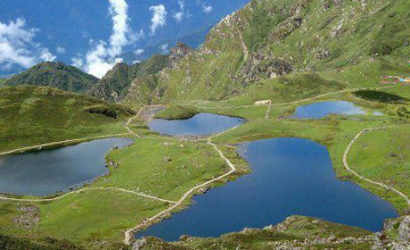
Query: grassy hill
{"x": 271, "y": 47}
{"x": 56, "y": 75}
{"x": 33, "y": 115}
{"x": 115, "y": 84}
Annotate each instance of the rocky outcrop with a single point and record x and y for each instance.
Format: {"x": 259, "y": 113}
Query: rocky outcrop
{"x": 112, "y": 85}
{"x": 115, "y": 85}
{"x": 262, "y": 66}
{"x": 177, "y": 53}
{"x": 297, "y": 232}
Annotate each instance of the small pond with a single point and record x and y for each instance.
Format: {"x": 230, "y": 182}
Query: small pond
{"x": 290, "y": 176}
{"x": 199, "y": 125}
{"x": 47, "y": 172}
{"x": 321, "y": 109}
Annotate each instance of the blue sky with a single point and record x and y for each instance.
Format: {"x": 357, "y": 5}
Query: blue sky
{"x": 95, "y": 34}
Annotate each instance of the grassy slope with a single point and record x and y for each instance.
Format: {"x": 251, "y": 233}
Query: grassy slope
{"x": 154, "y": 162}
{"x": 163, "y": 167}
{"x": 335, "y": 47}
{"x": 35, "y": 115}
{"x": 115, "y": 84}
{"x": 209, "y": 76}
{"x": 177, "y": 113}
{"x": 383, "y": 156}
{"x": 100, "y": 216}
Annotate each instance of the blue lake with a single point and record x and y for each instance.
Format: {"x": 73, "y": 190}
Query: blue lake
{"x": 321, "y": 109}
{"x": 49, "y": 171}
{"x": 290, "y": 176}
{"x": 198, "y": 125}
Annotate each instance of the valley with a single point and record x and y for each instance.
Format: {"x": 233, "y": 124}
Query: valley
{"x": 279, "y": 132}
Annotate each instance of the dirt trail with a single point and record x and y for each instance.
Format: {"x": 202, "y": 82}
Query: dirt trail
{"x": 244, "y": 47}
{"x": 86, "y": 189}
{"x": 129, "y": 234}
{"x": 346, "y": 165}
{"x": 268, "y": 110}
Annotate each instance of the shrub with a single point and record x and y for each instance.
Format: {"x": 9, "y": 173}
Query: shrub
{"x": 379, "y": 96}
{"x": 103, "y": 110}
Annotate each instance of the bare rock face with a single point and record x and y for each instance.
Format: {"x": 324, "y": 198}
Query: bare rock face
{"x": 139, "y": 244}
{"x": 28, "y": 218}
{"x": 404, "y": 229}
{"x": 261, "y": 66}
{"x": 177, "y": 53}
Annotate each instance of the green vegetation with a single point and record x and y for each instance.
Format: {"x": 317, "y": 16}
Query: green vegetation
{"x": 110, "y": 111}
{"x": 251, "y": 55}
{"x": 293, "y": 87}
{"x": 177, "y": 113}
{"x": 115, "y": 84}
{"x": 163, "y": 167}
{"x": 288, "y": 234}
{"x": 12, "y": 243}
{"x": 383, "y": 155}
{"x": 374, "y": 95}
{"x": 56, "y": 75}
{"x": 91, "y": 219}
{"x": 283, "y": 51}
{"x": 36, "y": 115}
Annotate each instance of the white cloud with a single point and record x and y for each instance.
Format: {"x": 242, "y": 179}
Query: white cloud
{"x": 104, "y": 55}
{"x": 164, "y": 48}
{"x": 77, "y": 62}
{"x": 139, "y": 52}
{"x": 158, "y": 18}
{"x": 180, "y": 14}
{"x": 120, "y": 36}
{"x": 18, "y": 48}
{"x": 45, "y": 55}
{"x": 207, "y": 9}
{"x": 61, "y": 50}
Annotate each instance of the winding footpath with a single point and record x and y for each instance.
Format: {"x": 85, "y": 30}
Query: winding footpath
{"x": 244, "y": 47}
{"x": 348, "y": 168}
{"x": 268, "y": 109}
{"x": 129, "y": 234}
{"x": 87, "y": 189}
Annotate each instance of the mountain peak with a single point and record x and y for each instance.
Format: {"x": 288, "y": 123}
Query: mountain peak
{"x": 54, "y": 74}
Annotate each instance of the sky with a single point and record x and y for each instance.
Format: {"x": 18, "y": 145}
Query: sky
{"x": 94, "y": 35}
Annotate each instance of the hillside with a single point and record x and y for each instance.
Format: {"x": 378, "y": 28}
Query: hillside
{"x": 56, "y": 75}
{"x": 296, "y": 232}
{"x": 145, "y": 89}
{"x": 114, "y": 85}
{"x": 275, "y": 45}
{"x": 33, "y": 115}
